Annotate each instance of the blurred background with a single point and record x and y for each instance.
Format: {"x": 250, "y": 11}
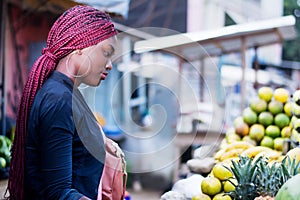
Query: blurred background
{"x": 184, "y": 70}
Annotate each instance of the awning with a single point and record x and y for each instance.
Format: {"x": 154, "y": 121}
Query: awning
{"x": 235, "y": 38}
{"x": 225, "y": 40}
{"x": 114, "y": 7}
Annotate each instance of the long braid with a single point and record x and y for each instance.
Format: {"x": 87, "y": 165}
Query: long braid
{"x": 77, "y": 28}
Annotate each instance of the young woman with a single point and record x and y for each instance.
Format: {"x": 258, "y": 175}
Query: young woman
{"x": 58, "y": 150}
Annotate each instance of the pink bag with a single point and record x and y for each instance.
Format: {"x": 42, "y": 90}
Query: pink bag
{"x": 114, "y": 177}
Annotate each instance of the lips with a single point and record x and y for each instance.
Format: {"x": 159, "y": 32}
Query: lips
{"x": 104, "y": 75}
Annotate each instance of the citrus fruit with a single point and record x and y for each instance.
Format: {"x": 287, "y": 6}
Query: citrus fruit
{"x": 222, "y": 196}
{"x": 278, "y": 143}
{"x": 221, "y": 172}
{"x": 2, "y": 163}
{"x": 286, "y": 132}
{"x": 275, "y": 107}
{"x": 249, "y": 140}
{"x": 238, "y": 120}
{"x": 249, "y": 116}
{"x": 257, "y": 132}
{"x": 273, "y": 131}
{"x": 258, "y": 105}
{"x": 211, "y": 186}
{"x": 281, "y": 120}
{"x": 232, "y": 138}
{"x": 242, "y": 129}
{"x": 228, "y": 186}
{"x": 267, "y": 142}
{"x": 288, "y": 108}
{"x": 201, "y": 197}
{"x": 265, "y": 93}
{"x": 281, "y": 94}
{"x": 265, "y": 118}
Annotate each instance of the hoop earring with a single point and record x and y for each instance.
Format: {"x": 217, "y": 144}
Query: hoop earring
{"x": 67, "y": 64}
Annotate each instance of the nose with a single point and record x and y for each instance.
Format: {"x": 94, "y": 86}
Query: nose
{"x": 108, "y": 65}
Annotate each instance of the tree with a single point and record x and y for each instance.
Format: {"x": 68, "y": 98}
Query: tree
{"x": 291, "y": 50}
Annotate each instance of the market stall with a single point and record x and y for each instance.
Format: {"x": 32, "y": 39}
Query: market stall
{"x": 198, "y": 46}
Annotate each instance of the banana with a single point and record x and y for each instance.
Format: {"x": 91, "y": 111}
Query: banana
{"x": 238, "y": 145}
{"x": 253, "y": 151}
{"x": 231, "y": 154}
{"x": 271, "y": 155}
{"x": 219, "y": 153}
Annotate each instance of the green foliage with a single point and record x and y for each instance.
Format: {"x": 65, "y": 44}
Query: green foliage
{"x": 291, "y": 50}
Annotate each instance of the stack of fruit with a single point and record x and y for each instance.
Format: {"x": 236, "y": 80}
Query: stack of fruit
{"x": 295, "y": 121}
{"x": 266, "y": 122}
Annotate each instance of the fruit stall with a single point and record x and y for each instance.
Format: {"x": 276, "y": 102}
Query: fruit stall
{"x": 259, "y": 158}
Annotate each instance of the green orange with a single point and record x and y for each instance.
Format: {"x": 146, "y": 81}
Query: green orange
{"x": 249, "y": 116}
{"x": 281, "y": 94}
{"x": 275, "y": 107}
{"x": 258, "y": 105}
{"x": 265, "y": 93}
{"x": 265, "y": 118}
{"x": 257, "y": 132}
{"x": 267, "y": 142}
{"x": 273, "y": 131}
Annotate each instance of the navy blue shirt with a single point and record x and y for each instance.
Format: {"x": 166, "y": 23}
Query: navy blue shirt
{"x": 65, "y": 151}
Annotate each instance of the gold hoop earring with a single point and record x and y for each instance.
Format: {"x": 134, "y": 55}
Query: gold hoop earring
{"x": 68, "y": 60}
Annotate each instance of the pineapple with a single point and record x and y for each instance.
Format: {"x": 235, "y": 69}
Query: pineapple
{"x": 258, "y": 180}
{"x": 245, "y": 173}
{"x": 270, "y": 179}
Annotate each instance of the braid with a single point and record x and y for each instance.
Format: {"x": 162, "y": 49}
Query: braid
{"x": 77, "y": 28}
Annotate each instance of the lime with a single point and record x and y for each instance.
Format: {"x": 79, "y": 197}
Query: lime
{"x": 258, "y": 105}
{"x": 273, "y": 131}
{"x": 201, "y": 197}
{"x": 2, "y": 163}
{"x": 278, "y": 143}
{"x": 267, "y": 142}
{"x": 221, "y": 172}
{"x": 288, "y": 108}
{"x": 265, "y": 118}
{"x": 275, "y": 107}
{"x": 286, "y": 132}
{"x": 281, "y": 94}
{"x": 228, "y": 186}
{"x": 211, "y": 186}
{"x": 222, "y": 196}
{"x": 249, "y": 116}
{"x": 281, "y": 120}
{"x": 238, "y": 120}
{"x": 265, "y": 93}
{"x": 257, "y": 132}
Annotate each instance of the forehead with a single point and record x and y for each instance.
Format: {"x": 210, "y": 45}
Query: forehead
{"x": 110, "y": 42}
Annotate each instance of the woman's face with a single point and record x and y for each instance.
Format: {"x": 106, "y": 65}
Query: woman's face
{"x": 96, "y": 62}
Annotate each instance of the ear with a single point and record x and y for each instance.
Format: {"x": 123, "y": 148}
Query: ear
{"x": 79, "y": 52}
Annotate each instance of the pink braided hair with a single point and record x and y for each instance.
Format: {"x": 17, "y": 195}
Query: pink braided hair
{"x": 77, "y": 28}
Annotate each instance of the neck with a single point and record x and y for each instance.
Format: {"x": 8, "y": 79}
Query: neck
{"x": 68, "y": 71}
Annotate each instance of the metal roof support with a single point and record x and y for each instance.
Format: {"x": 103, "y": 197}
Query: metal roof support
{"x": 243, "y": 65}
